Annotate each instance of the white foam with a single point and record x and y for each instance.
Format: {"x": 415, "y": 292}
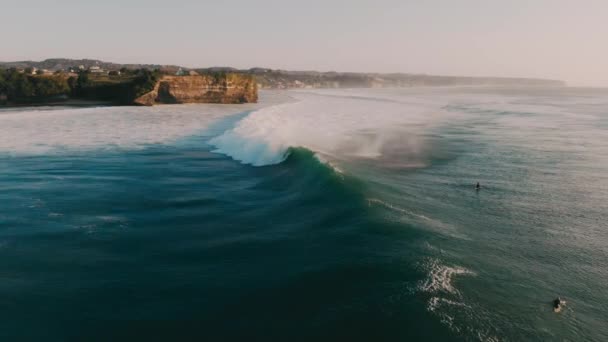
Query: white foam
{"x": 331, "y": 123}
{"x": 405, "y": 215}
{"x": 449, "y": 305}
{"x": 440, "y": 277}
{"x": 457, "y": 316}
{"x": 436, "y": 302}
{"x": 55, "y": 130}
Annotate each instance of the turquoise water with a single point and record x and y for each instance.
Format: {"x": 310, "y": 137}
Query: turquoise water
{"x": 326, "y": 215}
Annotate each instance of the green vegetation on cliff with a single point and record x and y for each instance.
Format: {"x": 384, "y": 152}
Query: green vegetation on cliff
{"x": 120, "y": 89}
{"x": 125, "y": 87}
{"x": 21, "y": 88}
{"x": 125, "y": 83}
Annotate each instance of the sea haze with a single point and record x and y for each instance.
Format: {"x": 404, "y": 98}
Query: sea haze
{"x": 316, "y": 214}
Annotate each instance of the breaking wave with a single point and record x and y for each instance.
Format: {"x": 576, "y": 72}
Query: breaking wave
{"x": 335, "y": 127}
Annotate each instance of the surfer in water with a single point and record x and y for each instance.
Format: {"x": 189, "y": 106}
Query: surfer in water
{"x": 477, "y": 187}
{"x": 558, "y": 303}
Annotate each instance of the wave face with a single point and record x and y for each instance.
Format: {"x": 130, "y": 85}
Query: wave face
{"x": 417, "y": 152}
{"x": 314, "y": 215}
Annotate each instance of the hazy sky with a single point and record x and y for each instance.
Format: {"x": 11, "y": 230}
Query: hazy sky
{"x": 561, "y": 39}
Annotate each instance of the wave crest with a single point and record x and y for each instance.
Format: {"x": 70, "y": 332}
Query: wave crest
{"x": 333, "y": 126}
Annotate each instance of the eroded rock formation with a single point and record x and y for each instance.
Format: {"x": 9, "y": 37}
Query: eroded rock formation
{"x": 228, "y": 88}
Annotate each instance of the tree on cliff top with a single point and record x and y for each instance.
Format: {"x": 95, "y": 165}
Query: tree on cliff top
{"x": 145, "y": 81}
{"x": 21, "y": 87}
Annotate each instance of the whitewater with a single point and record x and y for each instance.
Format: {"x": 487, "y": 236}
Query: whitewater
{"x": 335, "y": 213}
{"x": 334, "y": 124}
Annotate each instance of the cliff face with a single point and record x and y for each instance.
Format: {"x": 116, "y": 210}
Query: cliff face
{"x": 228, "y": 88}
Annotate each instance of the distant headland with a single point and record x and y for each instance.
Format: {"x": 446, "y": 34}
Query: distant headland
{"x": 59, "y": 79}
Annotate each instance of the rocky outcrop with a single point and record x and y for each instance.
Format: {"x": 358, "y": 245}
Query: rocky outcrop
{"x": 224, "y": 88}
{"x": 147, "y": 99}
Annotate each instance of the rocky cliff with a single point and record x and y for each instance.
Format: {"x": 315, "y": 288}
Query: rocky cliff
{"x": 221, "y": 88}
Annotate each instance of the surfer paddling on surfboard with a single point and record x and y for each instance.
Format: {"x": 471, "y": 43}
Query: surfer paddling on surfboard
{"x": 477, "y": 187}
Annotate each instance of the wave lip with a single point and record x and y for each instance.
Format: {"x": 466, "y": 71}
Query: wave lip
{"x": 329, "y": 125}
{"x": 249, "y": 144}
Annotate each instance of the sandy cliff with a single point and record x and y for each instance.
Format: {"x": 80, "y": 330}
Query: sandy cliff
{"x": 228, "y": 88}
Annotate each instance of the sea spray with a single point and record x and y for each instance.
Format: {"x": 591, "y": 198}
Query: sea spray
{"x": 339, "y": 127}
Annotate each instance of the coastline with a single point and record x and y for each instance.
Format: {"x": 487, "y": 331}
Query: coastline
{"x": 76, "y": 103}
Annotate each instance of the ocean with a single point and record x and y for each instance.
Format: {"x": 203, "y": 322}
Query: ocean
{"x": 327, "y": 215}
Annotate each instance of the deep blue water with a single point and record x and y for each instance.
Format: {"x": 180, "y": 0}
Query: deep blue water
{"x": 184, "y": 242}
{"x": 171, "y": 241}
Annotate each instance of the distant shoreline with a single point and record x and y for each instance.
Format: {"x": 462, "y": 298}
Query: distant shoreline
{"x": 285, "y": 79}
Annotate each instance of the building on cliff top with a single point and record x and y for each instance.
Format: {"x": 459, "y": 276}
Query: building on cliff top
{"x": 182, "y": 72}
{"x": 96, "y": 70}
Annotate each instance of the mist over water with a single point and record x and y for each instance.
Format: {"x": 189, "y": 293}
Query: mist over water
{"x": 335, "y": 124}
{"x": 325, "y": 214}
